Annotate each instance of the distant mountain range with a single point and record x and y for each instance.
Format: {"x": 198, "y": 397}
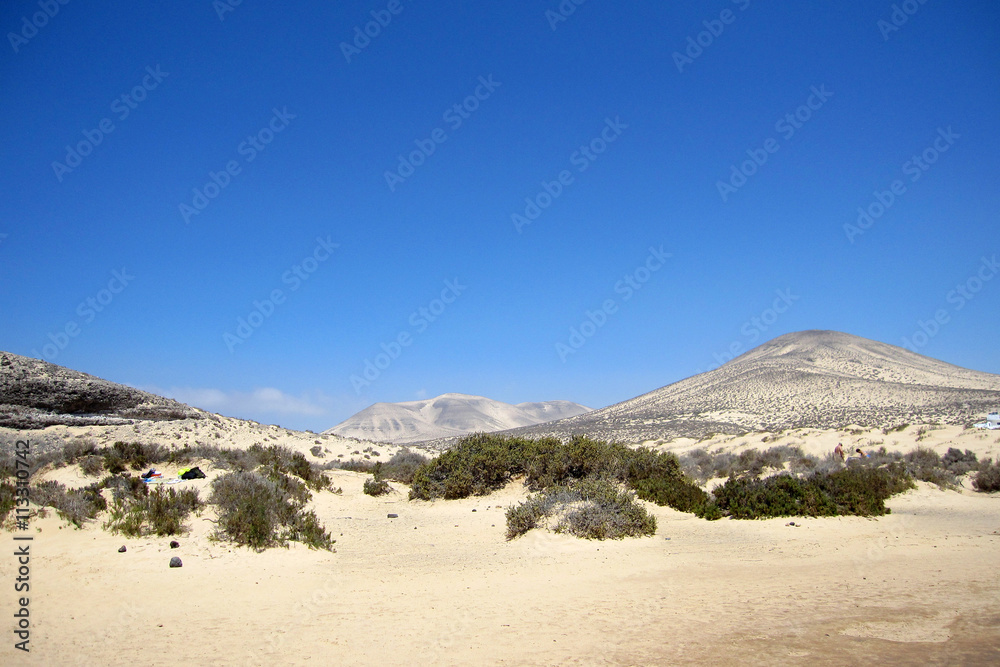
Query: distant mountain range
{"x": 816, "y": 379}
{"x": 448, "y": 415}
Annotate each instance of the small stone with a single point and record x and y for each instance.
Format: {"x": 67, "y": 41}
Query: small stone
{"x": 393, "y": 516}
{"x": 174, "y": 544}
{"x": 473, "y": 510}
{"x": 176, "y": 562}
{"x": 122, "y": 549}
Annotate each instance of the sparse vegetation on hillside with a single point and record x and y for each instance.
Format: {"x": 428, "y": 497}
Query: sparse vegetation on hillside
{"x": 275, "y": 483}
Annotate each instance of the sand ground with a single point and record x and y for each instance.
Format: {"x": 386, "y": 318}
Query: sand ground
{"x": 439, "y": 585}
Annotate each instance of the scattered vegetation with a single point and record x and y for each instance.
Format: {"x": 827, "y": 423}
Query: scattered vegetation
{"x": 780, "y": 481}
{"x": 277, "y": 482}
{"x": 587, "y": 484}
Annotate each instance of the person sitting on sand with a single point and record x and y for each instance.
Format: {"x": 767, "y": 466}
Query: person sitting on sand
{"x": 839, "y": 450}
{"x": 861, "y": 453}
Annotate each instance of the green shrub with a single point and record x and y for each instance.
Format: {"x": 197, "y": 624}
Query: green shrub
{"x": 403, "y": 465}
{"x": 76, "y": 506}
{"x": 258, "y": 512}
{"x": 522, "y": 518}
{"x": 958, "y": 462}
{"x": 286, "y": 461}
{"x": 606, "y": 512}
{"x": 125, "y": 486}
{"x": 376, "y": 487}
{"x": 160, "y": 512}
{"x": 134, "y": 455}
{"x": 92, "y": 465}
{"x": 856, "y": 490}
{"x": 477, "y": 465}
{"x": 591, "y": 508}
{"x": 780, "y": 495}
{"x": 677, "y": 493}
{"x": 987, "y": 479}
{"x": 925, "y": 464}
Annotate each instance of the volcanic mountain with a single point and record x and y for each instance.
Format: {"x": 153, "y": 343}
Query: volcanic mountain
{"x": 815, "y": 379}
{"x": 36, "y": 394}
{"x": 447, "y": 415}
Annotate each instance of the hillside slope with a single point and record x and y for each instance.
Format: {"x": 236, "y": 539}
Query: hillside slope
{"x": 816, "y": 379}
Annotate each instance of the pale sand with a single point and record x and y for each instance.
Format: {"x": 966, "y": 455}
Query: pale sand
{"x": 440, "y": 585}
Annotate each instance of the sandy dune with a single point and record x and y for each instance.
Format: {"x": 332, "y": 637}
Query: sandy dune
{"x": 440, "y": 585}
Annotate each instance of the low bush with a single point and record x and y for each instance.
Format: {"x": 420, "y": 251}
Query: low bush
{"x": 92, "y": 465}
{"x": 958, "y": 462}
{"x": 376, "y": 487}
{"x": 257, "y": 512}
{"x": 135, "y": 455}
{"x": 77, "y": 506}
{"x": 926, "y": 465}
{"x": 285, "y": 461}
{"x": 591, "y": 508}
{"x": 987, "y": 479}
{"x": 679, "y": 494}
{"x": 160, "y": 512}
{"x": 477, "y": 465}
{"x": 403, "y": 466}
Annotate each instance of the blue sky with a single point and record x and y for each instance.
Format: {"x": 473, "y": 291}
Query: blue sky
{"x": 263, "y": 211}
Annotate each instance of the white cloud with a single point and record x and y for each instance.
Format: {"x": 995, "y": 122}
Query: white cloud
{"x": 260, "y": 401}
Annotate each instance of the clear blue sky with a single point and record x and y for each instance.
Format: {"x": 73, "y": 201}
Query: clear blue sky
{"x": 217, "y": 158}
